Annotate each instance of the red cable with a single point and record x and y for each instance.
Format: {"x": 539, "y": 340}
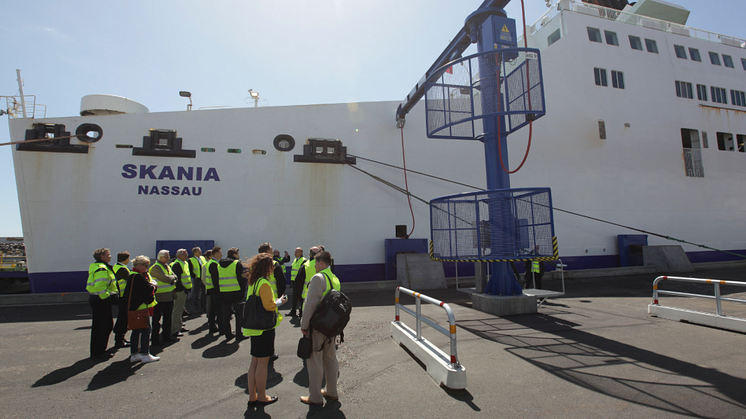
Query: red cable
{"x": 530, "y": 123}
{"x": 406, "y": 184}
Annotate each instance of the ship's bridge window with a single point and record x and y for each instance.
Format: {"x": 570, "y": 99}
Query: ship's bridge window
{"x": 692, "y": 153}
{"x": 743, "y": 63}
{"x": 684, "y": 89}
{"x": 725, "y": 141}
{"x": 718, "y": 95}
{"x": 651, "y": 45}
{"x": 694, "y": 53}
{"x": 680, "y": 51}
{"x": 617, "y": 79}
{"x": 714, "y": 58}
{"x": 600, "y": 77}
{"x": 727, "y": 61}
{"x": 738, "y": 97}
{"x": 702, "y": 92}
{"x": 594, "y": 35}
{"x": 554, "y": 37}
{"x": 611, "y": 38}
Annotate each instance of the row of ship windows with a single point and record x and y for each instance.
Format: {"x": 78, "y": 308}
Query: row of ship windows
{"x": 617, "y": 78}
{"x": 594, "y": 35}
{"x": 717, "y": 94}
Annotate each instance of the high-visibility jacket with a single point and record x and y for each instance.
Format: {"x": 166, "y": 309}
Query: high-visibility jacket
{"x": 122, "y": 283}
{"x": 297, "y": 263}
{"x": 195, "y": 265}
{"x": 255, "y": 291}
{"x": 272, "y": 280}
{"x": 100, "y": 280}
{"x": 208, "y": 278}
{"x": 228, "y": 278}
{"x": 310, "y": 266}
{"x": 536, "y": 266}
{"x": 330, "y": 279}
{"x": 162, "y": 286}
{"x": 186, "y": 276}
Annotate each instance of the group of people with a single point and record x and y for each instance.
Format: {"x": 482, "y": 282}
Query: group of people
{"x": 217, "y": 287}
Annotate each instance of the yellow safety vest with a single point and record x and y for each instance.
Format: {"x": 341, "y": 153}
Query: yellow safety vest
{"x": 330, "y": 279}
{"x": 272, "y": 280}
{"x": 228, "y": 279}
{"x": 100, "y": 280}
{"x": 195, "y": 265}
{"x": 297, "y": 262}
{"x": 255, "y": 289}
{"x": 162, "y": 286}
{"x": 535, "y": 267}
{"x": 122, "y": 282}
{"x": 310, "y": 272}
{"x": 208, "y": 277}
{"x": 186, "y": 277}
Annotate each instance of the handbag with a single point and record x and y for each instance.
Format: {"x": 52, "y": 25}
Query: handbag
{"x": 305, "y": 347}
{"x": 136, "y": 319}
{"x": 254, "y": 314}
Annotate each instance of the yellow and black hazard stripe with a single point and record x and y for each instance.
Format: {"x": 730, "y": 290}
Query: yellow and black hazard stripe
{"x": 555, "y": 256}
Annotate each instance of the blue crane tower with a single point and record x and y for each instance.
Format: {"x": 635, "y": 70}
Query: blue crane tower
{"x": 486, "y": 97}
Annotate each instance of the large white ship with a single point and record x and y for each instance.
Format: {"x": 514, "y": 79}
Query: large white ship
{"x": 645, "y": 127}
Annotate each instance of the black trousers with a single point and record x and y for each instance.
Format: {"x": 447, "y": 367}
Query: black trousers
{"x": 103, "y": 323}
{"x": 165, "y": 310}
{"x": 214, "y": 313}
{"x": 298, "y": 293}
{"x": 120, "y": 328}
{"x": 228, "y": 307}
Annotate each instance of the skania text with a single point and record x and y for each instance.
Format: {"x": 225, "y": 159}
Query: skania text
{"x": 179, "y": 173}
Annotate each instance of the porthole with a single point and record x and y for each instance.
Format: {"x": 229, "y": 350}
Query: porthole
{"x": 284, "y": 142}
{"x": 89, "y": 133}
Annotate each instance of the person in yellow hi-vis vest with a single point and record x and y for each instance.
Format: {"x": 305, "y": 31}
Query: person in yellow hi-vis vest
{"x": 121, "y": 274}
{"x": 231, "y": 288}
{"x": 323, "y": 361}
{"x": 183, "y": 284}
{"x": 165, "y": 278}
{"x": 101, "y": 286}
{"x": 306, "y": 272}
{"x": 297, "y": 285}
{"x": 262, "y": 341}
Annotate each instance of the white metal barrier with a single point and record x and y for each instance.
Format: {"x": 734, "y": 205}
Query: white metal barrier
{"x": 443, "y": 368}
{"x": 709, "y": 319}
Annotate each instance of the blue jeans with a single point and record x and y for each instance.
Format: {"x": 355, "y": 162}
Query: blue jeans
{"x": 140, "y": 338}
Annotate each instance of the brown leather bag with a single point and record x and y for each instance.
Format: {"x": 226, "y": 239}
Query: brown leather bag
{"x": 137, "y": 319}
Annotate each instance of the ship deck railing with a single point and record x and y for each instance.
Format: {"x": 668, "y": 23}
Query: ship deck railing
{"x": 577, "y": 6}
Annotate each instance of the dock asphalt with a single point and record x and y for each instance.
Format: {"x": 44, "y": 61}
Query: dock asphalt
{"x": 592, "y": 353}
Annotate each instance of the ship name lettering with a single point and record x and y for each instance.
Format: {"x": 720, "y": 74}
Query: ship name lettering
{"x": 169, "y": 190}
{"x": 130, "y": 171}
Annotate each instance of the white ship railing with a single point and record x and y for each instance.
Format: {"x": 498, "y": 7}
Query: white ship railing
{"x": 578, "y": 6}
{"x": 15, "y": 109}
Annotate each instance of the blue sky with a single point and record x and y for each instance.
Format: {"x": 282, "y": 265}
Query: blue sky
{"x": 293, "y": 52}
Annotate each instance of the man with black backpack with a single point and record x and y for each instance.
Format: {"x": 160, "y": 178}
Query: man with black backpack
{"x": 323, "y": 360}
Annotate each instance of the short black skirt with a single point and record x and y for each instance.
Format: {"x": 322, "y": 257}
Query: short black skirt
{"x": 264, "y": 344}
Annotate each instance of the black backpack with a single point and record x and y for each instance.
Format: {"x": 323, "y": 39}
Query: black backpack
{"x": 332, "y": 314}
